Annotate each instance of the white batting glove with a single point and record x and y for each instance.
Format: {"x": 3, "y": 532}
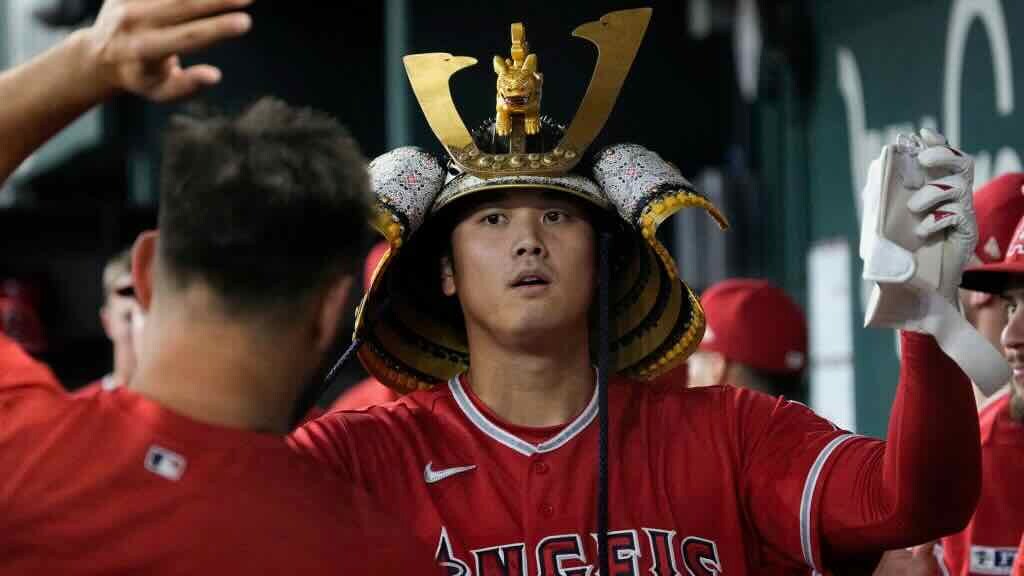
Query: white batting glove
{"x": 917, "y": 235}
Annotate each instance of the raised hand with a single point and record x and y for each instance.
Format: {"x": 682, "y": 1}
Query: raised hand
{"x": 136, "y": 45}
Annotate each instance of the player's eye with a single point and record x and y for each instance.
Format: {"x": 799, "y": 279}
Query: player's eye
{"x": 555, "y": 216}
{"x": 494, "y": 219}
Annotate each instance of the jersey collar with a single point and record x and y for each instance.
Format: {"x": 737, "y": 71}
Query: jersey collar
{"x": 499, "y": 434}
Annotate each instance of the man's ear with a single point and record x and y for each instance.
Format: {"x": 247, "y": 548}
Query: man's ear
{"x": 331, "y": 310}
{"x": 143, "y": 260}
{"x": 979, "y": 299}
{"x": 447, "y": 276}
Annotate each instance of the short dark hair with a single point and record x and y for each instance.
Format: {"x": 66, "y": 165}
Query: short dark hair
{"x": 264, "y": 207}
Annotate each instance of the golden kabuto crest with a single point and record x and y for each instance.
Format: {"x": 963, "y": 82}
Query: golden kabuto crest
{"x": 617, "y": 36}
{"x": 519, "y": 87}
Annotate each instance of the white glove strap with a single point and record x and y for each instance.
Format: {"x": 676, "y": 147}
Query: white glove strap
{"x": 975, "y": 355}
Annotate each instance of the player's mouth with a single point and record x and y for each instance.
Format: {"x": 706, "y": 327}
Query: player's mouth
{"x": 1018, "y": 375}
{"x": 1016, "y": 362}
{"x": 530, "y": 280}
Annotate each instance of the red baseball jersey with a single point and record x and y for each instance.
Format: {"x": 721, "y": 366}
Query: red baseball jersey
{"x": 703, "y": 480}
{"x": 366, "y": 393}
{"x": 1018, "y": 563}
{"x": 116, "y": 484}
{"x": 990, "y": 542}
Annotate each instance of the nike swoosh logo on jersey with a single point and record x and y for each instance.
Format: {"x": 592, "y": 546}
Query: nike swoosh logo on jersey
{"x": 430, "y": 476}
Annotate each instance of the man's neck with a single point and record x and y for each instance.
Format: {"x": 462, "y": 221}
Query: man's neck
{"x": 531, "y": 388}
{"x": 123, "y": 366}
{"x": 214, "y": 371}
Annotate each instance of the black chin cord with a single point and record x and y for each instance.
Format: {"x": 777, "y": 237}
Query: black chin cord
{"x": 314, "y": 392}
{"x": 603, "y": 296}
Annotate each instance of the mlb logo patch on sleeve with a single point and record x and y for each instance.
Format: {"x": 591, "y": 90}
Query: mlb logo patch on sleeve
{"x": 164, "y": 462}
{"x": 988, "y": 560}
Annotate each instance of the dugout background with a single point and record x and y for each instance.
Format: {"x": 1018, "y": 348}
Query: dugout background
{"x": 773, "y": 108}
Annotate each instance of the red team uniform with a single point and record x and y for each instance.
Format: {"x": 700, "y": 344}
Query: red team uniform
{"x": 990, "y": 542}
{"x": 116, "y": 484}
{"x": 703, "y": 481}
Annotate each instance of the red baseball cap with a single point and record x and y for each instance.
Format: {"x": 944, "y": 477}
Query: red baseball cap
{"x": 999, "y": 205}
{"x": 755, "y": 323}
{"x": 992, "y": 278}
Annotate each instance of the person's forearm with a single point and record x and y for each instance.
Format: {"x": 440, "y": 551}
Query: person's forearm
{"x": 924, "y": 481}
{"x": 42, "y": 96}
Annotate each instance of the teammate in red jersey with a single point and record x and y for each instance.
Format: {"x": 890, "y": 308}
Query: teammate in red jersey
{"x": 990, "y": 542}
{"x": 999, "y": 205}
{"x": 122, "y": 320}
{"x": 500, "y": 277}
{"x": 756, "y": 338}
{"x": 261, "y": 219}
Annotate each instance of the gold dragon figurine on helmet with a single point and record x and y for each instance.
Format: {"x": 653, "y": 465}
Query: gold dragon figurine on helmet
{"x": 519, "y": 86}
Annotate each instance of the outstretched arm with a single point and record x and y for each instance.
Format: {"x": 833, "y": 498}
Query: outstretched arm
{"x": 924, "y": 481}
{"x": 917, "y": 235}
{"x": 133, "y": 46}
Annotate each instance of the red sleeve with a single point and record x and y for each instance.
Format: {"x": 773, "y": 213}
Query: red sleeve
{"x": 785, "y": 448}
{"x": 329, "y": 440}
{"x": 887, "y": 495}
{"x": 20, "y": 372}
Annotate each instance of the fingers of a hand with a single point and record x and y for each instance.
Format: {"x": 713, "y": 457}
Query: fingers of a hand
{"x": 182, "y": 83}
{"x": 944, "y": 217}
{"x": 166, "y": 12}
{"x": 189, "y": 37}
{"x": 936, "y": 192}
{"x": 932, "y": 138}
{"x": 944, "y": 157}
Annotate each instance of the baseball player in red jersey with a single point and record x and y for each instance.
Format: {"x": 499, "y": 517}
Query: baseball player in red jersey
{"x": 999, "y": 205}
{"x": 989, "y": 543}
{"x": 756, "y": 337}
{"x": 122, "y": 321}
{"x": 187, "y": 471}
{"x": 507, "y": 265}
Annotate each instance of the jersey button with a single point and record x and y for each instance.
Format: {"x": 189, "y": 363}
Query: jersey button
{"x": 541, "y": 467}
{"x": 547, "y": 510}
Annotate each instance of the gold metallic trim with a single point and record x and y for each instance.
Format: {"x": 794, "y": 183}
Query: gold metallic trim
{"x": 636, "y": 312}
{"x": 429, "y": 75}
{"x": 655, "y": 335}
{"x": 682, "y": 349}
{"x": 427, "y": 327}
{"x": 522, "y": 185}
{"x": 617, "y": 36}
{"x": 406, "y": 352}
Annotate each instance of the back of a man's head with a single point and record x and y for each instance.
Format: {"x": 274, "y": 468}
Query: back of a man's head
{"x": 263, "y": 208}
